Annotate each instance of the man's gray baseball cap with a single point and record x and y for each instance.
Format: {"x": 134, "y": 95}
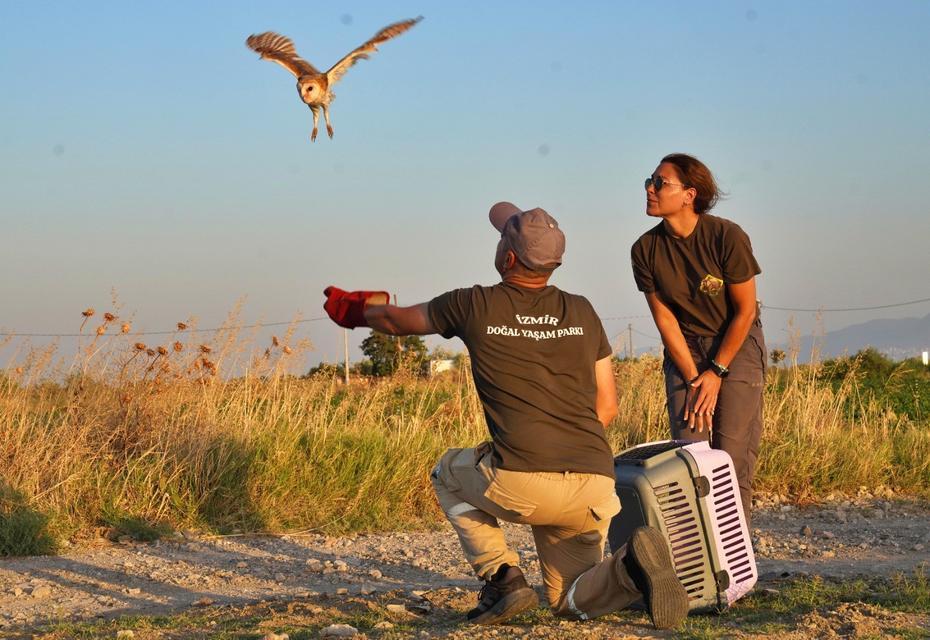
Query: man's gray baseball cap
{"x": 534, "y": 236}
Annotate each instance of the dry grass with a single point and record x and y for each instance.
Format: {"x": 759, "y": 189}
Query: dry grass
{"x": 161, "y": 434}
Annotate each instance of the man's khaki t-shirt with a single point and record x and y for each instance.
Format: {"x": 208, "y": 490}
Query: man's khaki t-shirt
{"x": 689, "y": 274}
{"x": 532, "y": 357}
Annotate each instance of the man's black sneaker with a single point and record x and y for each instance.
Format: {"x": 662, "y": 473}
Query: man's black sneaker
{"x": 499, "y": 601}
{"x": 650, "y": 566}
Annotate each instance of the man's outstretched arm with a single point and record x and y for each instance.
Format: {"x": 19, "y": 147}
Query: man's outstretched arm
{"x": 400, "y": 321}
{"x": 352, "y": 309}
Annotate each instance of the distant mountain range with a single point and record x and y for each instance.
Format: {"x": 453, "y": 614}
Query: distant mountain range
{"x": 898, "y": 339}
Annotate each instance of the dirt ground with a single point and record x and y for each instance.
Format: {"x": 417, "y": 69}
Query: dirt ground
{"x": 424, "y": 573}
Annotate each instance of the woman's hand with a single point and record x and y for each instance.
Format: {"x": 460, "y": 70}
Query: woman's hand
{"x": 702, "y": 401}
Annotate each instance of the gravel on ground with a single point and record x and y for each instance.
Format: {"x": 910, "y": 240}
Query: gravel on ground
{"x": 841, "y": 537}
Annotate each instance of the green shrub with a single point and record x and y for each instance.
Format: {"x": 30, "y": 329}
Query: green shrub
{"x": 139, "y": 529}
{"x": 902, "y": 387}
{"x": 23, "y": 530}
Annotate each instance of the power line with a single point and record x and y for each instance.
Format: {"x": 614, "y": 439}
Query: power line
{"x": 217, "y": 329}
{"x": 611, "y": 341}
{"x": 162, "y": 333}
{"x": 646, "y": 335}
{"x": 872, "y": 308}
{"x": 639, "y": 333}
{"x": 280, "y": 324}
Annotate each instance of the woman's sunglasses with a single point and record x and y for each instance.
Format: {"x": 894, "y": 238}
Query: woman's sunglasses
{"x": 658, "y": 182}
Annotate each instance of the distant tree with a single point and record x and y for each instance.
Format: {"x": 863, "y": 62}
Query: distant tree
{"x": 386, "y": 352}
{"x": 361, "y": 368}
{"x": 461, "y": 359}
{"x": 777, "y": 356}
{"x": 414, "y": 354}
{"x": 382, "y": 351}
{"x": 441, "y": 353}
{"x": 325, "y": 370}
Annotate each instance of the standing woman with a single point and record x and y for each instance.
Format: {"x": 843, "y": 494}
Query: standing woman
{"x": 698, "y": 274}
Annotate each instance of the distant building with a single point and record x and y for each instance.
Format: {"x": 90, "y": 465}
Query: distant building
{"x": 441, "y": 364}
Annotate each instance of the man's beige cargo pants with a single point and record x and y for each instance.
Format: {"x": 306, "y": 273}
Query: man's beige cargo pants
{"x": 569, "y": 514}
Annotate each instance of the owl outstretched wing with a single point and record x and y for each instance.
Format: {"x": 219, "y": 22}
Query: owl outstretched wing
{"x": 361, "y": 53}
{"x": 277, "y": 48}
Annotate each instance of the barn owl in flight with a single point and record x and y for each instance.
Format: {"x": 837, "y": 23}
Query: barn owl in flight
{"x": 315, "y": 88}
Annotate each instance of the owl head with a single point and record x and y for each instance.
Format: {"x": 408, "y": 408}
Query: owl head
{"x": 310, "y": 89}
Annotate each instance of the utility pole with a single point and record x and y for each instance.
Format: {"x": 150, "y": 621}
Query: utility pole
{"x": 345, "y": 344}
{"x": 629, "y": 329}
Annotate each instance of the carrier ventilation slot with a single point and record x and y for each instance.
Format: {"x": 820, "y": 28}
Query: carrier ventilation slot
{"x": 647, "y": 451}
{"x": 731, "y": 536}
{"x": 684, "y": 533}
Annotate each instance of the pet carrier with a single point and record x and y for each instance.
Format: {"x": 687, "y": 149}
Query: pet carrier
{"x": 690, "y": 493}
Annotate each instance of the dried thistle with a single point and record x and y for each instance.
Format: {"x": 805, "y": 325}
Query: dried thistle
{"x": 205, "y": 349}
{"x": 274, "y": 341}
{"x": 140, "y": 346}
{"x": 181, "y": 326}
{"x": 125, "y": 328}
{"x": 178, "y": 347}
{"x": 87, "y": 313}
{"x": 287, "y": 350}
{"x": 162, "y": 351}
{"x": 109, "y": 317}
{"x": 209, "y": 364}
{"x": 150, "y": 352}
{"x": 102, "y": 329}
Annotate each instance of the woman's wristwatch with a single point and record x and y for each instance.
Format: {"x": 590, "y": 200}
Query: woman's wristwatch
{"x": 719, "y": 369}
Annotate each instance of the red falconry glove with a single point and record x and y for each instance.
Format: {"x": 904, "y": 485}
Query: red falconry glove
{"x": 347, "y": 308}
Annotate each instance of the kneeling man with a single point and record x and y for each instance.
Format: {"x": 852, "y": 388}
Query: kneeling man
{"x": 542, "y": 369}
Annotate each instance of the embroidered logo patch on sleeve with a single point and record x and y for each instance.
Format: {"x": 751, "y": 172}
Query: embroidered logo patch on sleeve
{"x": 711, "y": 285}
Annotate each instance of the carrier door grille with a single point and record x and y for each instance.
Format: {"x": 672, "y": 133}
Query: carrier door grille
{"x": 684, "y": 536}
{"x": 724, "y": 494}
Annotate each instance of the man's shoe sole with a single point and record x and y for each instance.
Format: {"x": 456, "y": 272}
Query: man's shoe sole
{"x": 667, "y": 600}
{"x": 508, "y": 606}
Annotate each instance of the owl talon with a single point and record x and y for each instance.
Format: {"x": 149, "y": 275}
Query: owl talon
{"x": 313, "y": 134}
{"x": 329, "y": 130}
